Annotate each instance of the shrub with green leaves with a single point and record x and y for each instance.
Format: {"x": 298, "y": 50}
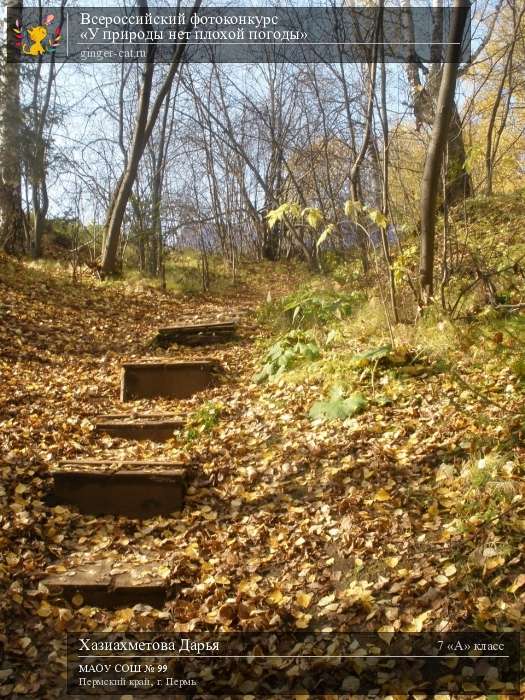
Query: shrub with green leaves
{"x": 287, "y": 353}
{"x": 337, "y": 407}
{"x": 313, "y": 308}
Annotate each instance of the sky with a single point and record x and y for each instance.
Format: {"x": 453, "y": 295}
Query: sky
{"x": 84, "y": 92}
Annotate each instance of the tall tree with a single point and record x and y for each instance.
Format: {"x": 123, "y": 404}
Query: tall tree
{"x": 425, "y": 95}
{"x": 436, "y": 150}
{"x": 145, "y": 120}
{"x": 36, "y": 156}
{"x": 495, "y": 132}
{"x": 12, "y": 230}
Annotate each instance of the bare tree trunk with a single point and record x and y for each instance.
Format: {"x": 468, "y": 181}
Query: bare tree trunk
{"x": 144, "y": 125}
{"x": 385, "y": 193}
{"x": 37, "y": 161}
{"x": 424, "y": 98}
{"x": 122, "y": 192}
{"x": 12, "y": 227}
{"x": 459, "y": 182}
{"x": 356, "y": 167}
{"x": 491, "y": 146}
{"x": 156, "y": 194}
{"x": 438, "y": 141}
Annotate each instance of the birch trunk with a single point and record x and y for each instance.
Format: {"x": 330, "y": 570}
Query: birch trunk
{"x": 12, "y": 230}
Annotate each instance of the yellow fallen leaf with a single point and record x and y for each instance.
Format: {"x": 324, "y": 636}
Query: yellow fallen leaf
{"x": 303, "y": 599}
{"x": 12, "y": 559}
{"x": 44, "y": 610}
{"x": 493, "y": 562}
{"x": 125, "y": 615}
{"x": 192, "y": 551}
{"x": 450, "y": 570}
{"x": 382, "y": 495}
{"x": 59, "y": 569}
{"x": 326, "y": 600}
{"x": 519, "y": 581}
{"x": 391, "y": 613}
{"x": 418, "y": 622}
{"x": 275, "y": 596}
{"x": 245, "y": 585}
{"x": 303, "y": 621}
{"x": 392, "y": 562}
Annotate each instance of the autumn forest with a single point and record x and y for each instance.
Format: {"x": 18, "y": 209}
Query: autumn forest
{"x": 261, "y": 358}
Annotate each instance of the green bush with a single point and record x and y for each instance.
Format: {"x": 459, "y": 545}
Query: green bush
{"x": 288, "y": 352}
{"x": 308, "y": 308}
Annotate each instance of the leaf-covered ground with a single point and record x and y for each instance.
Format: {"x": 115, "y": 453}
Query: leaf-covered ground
{"x": 363, "y": 524}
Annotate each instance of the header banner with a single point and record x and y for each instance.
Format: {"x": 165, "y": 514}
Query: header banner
{"x": 235, "y": 35}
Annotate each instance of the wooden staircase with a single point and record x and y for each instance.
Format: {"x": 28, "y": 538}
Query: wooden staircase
{"x": 133, "y": 489}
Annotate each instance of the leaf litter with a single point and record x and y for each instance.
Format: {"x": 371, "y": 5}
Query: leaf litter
{"x": 288, "y": 521}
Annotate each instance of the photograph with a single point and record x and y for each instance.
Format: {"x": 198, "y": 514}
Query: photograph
{"x": 262, "y": 349}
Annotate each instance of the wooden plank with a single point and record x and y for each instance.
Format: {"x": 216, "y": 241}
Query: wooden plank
{"x": 132, "y": 427}
{"x": 167, "y": 378}
{"x": 197, "y": 334}
{"x": 139, "y": 416}
{"x": 134, "y": 489}
{"x": 109, "y": 584}
{"x": 115, "y": 464}
{"x": 192, "y": 340}
{"x": 200, "y": 326}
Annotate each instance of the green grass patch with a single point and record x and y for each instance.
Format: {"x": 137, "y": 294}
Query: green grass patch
{"x": 202, "y": 421}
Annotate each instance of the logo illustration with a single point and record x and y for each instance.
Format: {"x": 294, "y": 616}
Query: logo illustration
{"x": 35, "y": 41}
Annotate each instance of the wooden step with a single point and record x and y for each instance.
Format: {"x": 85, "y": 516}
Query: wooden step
{"x": 167, "y": 378}
{"x": 157, "y": 427}
{"x": 201, "y": 333}
{"x": 107, "y": 583}
{"x": 140, "y": 489}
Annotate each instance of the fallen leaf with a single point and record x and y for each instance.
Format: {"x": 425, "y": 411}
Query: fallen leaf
{"x": 382, "y": 495}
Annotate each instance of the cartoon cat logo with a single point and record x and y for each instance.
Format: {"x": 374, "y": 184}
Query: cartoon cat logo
{"x": 37, "y": 36}
{"x": 38, "y": 46}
